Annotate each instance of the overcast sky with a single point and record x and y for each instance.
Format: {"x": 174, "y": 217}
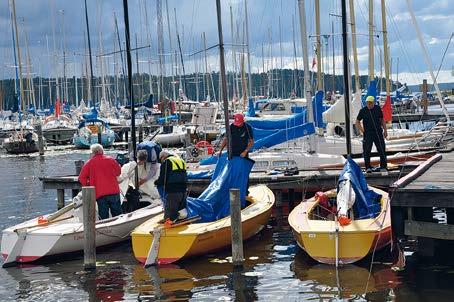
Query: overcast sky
{"x": 43, "y": 20}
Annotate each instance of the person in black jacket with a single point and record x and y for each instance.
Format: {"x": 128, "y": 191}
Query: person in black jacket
{"x": 373, "y": 131}
{"x": 173, "y": 180}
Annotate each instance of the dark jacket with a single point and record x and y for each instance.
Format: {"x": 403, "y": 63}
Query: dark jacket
{"x": 172, "y": 175}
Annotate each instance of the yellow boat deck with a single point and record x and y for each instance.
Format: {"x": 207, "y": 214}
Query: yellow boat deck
{"x": 200, "y": 238}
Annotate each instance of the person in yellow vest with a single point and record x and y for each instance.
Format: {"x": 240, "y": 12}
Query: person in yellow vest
{"x": 173, "y": 181}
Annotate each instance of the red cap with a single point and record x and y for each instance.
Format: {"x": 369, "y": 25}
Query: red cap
{"x": 238, "y": 119}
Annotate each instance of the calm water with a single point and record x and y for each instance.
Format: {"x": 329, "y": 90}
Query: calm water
{"x": 275, "y": 269}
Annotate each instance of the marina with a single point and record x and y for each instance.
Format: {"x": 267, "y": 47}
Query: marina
{"x": 236, "y": 150}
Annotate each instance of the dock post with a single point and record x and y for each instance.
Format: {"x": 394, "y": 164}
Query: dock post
{"x": 99, "y": 138}
{"x": 140, "y": 133}
{"x": 278, "y": 198}
{"x": 60, "y": 198}
{"x": 424, "y": 100}
{"x": 291, "y": 199}
{"x": 89, "y": 200}
{"x": 39, "y": 130}
{"x": 187, "y": 138}
{"x": 79, "y": 164}
{"x": 237, "y": 234}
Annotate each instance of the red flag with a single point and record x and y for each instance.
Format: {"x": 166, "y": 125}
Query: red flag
{"x": 387, "y": 110}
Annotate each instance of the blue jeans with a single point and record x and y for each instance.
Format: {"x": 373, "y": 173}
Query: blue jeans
{"x": 107, "y": 202}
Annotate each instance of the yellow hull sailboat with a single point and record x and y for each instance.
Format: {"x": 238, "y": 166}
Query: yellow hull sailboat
{"x": 193, "y": 239}
{"x": 327, "y": 241}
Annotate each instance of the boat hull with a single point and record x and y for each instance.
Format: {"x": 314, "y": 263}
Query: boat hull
{"x": 355, "y": 241}
{"x": 201, "y": 238}
{"x": 68, "y": 236}
{"x": 20, "y": 147}
{"x": 83, "y": 142}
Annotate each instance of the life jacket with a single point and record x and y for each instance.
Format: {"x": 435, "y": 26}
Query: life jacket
{"x": 177, "y": 163}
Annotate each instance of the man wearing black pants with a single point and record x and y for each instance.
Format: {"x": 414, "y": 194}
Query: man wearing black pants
{"x": 373, "y": 131}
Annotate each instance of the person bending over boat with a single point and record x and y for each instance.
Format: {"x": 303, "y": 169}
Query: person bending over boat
{"x": 373, "y": 131}
{"x": 101, "y": 171}
{"x": 241, "y": 135}
{"x": 173, "y": 180}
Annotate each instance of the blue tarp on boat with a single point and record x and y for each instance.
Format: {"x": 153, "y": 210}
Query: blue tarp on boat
{"x": 214, "y": 203}
{"x": 284, "y": 135}
{"x": 367, "y": 203}
{"x": 267, "y": 124}
{"x": 163, "y": 120}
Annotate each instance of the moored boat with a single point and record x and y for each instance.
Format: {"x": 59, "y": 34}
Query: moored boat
{"x": 36, "y": 238}
{"x": 94, "y": 131}
{"x": 195, "y": 238}
{"x": 318, "y": 230}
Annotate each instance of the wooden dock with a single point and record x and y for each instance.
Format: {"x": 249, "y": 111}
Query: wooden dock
{"x": 304, "y": 182}
{"x": 427, "y": 194}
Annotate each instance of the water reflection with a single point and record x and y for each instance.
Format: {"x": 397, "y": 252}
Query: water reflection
{"x": 348, "y": 282}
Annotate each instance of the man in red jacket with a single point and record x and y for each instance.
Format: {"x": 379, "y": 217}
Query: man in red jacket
{"x": 101, "y": 171}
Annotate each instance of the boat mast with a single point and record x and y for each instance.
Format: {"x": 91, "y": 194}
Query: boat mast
{"x": 90, "y": 82}
{"x": 281, "y": 60}
{"x": 172, "y": 70}
{"x": 346, "y": 78}
{"x": 161, "y": 55}
{"x": 371, "y": 40}
{"x": 21, "y": 87}
{"x": 385, "y": 50}
{"x": 318, "y": 47}
{"x": 225, "y": 101}
{"x": 182, "y": 79}
{"x": 427, "y": 59}
{"x": 248, "y": 52}
{"x": 233, "y": 55}
{"x": 295, "y": 62}
{"x": 75, "y": 81}
{"x": 206, "y": 66}
{"x": 355, "y": 50}
{"x": 16, "y": 81}
{"x": 130, "y": 86}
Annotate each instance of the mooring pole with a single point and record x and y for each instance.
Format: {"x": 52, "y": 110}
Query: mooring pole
{"x": 39, "y": 130}
{"x": 237, "y": 234}
{"x": 89, "y": 200}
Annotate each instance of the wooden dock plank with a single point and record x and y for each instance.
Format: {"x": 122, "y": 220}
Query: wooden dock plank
{"x": 429, "y": 230}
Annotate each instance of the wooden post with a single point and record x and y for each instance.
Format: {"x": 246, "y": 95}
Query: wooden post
{"x": 237, "y": 234}
{"x": 424, "y": 100}
{"x": 39, "y": 130}
{"x": 60, "y": 198}
{"x": 89, "y": 199}
{"x": 140, "y": 133}
{"x": 291, "y": 199}
{"x": 79, "y": 164}
{"x": 99, "y": 138}
{"x": 187, "y": 138}
{"x": 278, "y": 198}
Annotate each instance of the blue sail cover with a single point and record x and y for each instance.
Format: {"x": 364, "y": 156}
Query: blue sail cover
{"x": 317, "y": 104}
{"x": 284, "y": 135}
{"x": 92, "y": 115}
{"x": 372, "y": 90}
{"x": 163, "y": 120}
{"x": 367, "y": 203}
{"x": 251, "y": 109}
{"x": 267, "y": 124}
{"x": 214, "y": 203}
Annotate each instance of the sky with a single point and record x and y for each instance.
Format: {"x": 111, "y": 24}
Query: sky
{"x": 49, "y": 26}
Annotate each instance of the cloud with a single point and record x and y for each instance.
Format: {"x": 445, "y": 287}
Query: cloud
{"x": 41, "y": 19}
